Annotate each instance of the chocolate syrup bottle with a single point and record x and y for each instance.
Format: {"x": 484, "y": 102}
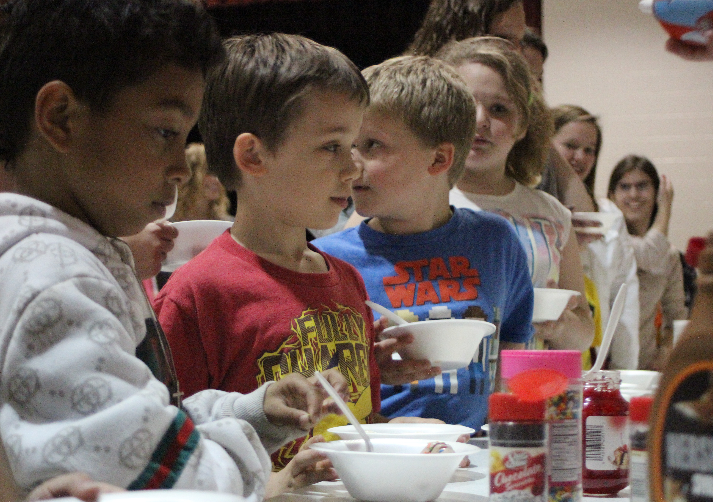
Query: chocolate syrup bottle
{"x": 681, "y": 424}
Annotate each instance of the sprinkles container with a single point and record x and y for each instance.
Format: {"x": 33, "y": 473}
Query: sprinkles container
{"x": 563, "y": 414}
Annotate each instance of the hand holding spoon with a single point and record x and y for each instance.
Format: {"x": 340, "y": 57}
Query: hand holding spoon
{"x": 386, "y": 313}
{"x": 345, "y": 409}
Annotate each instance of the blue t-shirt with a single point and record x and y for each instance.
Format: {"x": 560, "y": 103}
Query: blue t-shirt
{"x": 475, "y": 266}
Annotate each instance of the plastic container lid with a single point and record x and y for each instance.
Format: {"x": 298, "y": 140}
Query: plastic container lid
{"x": 440, "y": 312}
{"x": 567, "y": 362}
{"x": 504, "y": 407}
{"x": 538, "y": 384}
{"x": 639, "y": 408}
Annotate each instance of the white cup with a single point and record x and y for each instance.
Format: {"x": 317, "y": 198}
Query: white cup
{"x": 678, "y": 327}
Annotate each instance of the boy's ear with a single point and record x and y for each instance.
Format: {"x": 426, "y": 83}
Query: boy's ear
{"x": 443, "y": 158}
{"x": 57, "y": 111}
{"x": 248, "y": 153}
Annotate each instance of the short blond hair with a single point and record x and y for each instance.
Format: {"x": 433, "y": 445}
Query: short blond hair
{"x": 432, "y": 101}
{"x": 527, "y": 157}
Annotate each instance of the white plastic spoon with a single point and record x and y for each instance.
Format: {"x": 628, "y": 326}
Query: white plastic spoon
{"x": 614, "y": 317}
{"x": 345, "y": 409}
{"x": 171, "y": 209}
{"x": 386, "y": 313}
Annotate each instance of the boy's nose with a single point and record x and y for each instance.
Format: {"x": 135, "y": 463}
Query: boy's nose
{"x": 352, "y": 168}
{"x": 179, "y": 172}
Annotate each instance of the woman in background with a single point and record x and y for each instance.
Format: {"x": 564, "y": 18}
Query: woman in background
{"x": 645, "y": 200}
{"x": 454, "y": 20}
{"x": 203, "y": 197}
{"x": 608, "y": 261}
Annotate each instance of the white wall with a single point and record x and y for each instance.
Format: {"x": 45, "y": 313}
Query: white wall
{"x": 609, "y": 57}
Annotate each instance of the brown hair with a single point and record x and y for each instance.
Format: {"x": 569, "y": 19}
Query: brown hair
{"x": 563, "y": 115}
{"x": 527, "y": 157}
{"x": 260, "y": 88}
{"x": 454, "y": 20}
{"x": 432, "y": 101}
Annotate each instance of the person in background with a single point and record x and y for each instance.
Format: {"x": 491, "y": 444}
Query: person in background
{"x": 94, "y": 140}
{"x": 454, "y": 20}
{"x": 645, "y": 200}
{"x": 203, "y": 197}
{"x": 506, "y": 158}
{"x": 150, "y": 247}
{"x": 418, "y": 255}
{"x": 535, "y": 52}
{"x": 608, "y": 260}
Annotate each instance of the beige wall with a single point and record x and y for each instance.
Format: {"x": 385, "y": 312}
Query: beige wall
{"x": 609, "y": 57}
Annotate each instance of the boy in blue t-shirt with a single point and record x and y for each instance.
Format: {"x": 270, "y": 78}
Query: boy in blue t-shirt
{"x": 416, "y": 253}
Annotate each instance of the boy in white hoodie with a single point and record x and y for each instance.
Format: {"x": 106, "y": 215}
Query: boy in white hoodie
{"x": 93, "y": 138}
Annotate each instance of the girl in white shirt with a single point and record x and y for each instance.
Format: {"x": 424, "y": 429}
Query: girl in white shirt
{"x": 608, "y": 260}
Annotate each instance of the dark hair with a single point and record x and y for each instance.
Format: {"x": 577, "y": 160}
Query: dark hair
{"x": 260, "y": 88}
{"x": 633, "y": 163}
{"x": 563, "y": 115}
{"x": 455, "y": 20}
{"x": 96, "y": 47}
{"x": 532, "y": 39}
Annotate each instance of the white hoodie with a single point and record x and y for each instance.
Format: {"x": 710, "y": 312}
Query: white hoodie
{"x": 73, "y": 394}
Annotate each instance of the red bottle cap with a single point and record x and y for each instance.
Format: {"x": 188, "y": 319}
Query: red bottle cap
{"x": 639, "y": 408}
{"x": 503, "y": 407}
{"x": 538, "y": 385}
{"x": 693, "y": 250}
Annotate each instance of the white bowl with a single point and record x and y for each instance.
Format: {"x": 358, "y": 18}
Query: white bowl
{"x": 448, "y": 343}
{"x": 629, "y": 393}
{"x": 550, "y": 303}
{"x": 169, "y": 496}
{"x": 607, "y": 220}
{"x": 193, "y": 237}
{"x": 436, "y": 432}
{"x": 639, "y": 379}
{"x": 396, "y": 470}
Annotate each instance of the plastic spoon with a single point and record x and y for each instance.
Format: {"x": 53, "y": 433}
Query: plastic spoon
{"x": 171, "y": 209}
{"x": 614, "y": 317}
{"x": 345, "y": 409}
{"x": 386, "y": 313}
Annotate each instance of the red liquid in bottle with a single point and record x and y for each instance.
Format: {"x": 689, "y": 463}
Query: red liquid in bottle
{"x": 605, "y": 450}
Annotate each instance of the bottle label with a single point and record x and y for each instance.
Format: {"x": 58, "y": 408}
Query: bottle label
{"x": 688, "y": 441}
{"x": 639, "y": 476}
{"x": 564, "y": 412}
{"x": 682, "y": 443}
{"x": 518, "y": 474}
{"x": 606, "y": 446}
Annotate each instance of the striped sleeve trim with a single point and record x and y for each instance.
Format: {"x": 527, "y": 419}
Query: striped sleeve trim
{"x": 171, "y": 455}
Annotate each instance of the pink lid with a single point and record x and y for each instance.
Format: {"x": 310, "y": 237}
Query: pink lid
{"x": 567, "y": 362}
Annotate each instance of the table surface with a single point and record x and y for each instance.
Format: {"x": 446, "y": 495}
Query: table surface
{"x": 470, "y": 484}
